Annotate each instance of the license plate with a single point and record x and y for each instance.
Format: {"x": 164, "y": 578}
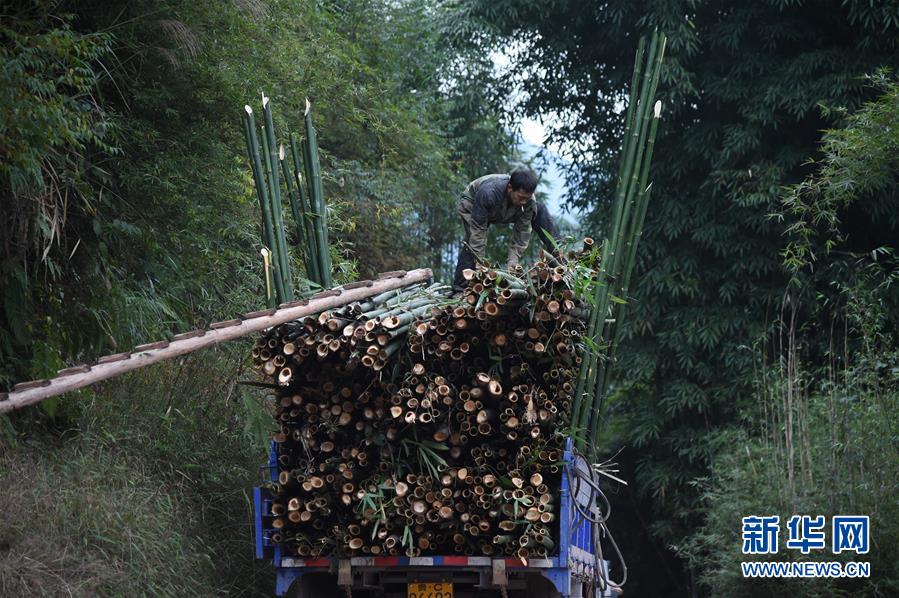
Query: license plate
{"x": 430, "y": 590}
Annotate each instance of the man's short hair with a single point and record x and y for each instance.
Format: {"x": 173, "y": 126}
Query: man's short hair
{"x": 523, "y": 178}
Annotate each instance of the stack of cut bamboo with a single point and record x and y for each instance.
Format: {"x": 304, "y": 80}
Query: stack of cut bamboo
{"x": 418, "y": 424}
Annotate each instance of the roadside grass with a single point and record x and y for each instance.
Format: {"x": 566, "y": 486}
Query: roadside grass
{"x": 143, "y": 488}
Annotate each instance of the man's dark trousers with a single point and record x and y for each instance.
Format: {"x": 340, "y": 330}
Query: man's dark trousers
{"x": 466, "y": 260}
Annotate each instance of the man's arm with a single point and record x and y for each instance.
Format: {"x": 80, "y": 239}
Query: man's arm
{"x": 521, "y": 235}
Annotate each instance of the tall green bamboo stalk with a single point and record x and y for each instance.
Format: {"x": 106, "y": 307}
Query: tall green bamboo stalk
{"x": 262, "y": 193}
{"x": 318, "y": 198}
{"x": 313, "y": 270}
{"x": 290, "y": 183}
{"x": 314, "y": 217}
{"x": 630, "y": 252}
{"x": 619, "y": 246}
{"x": 269, "y": 162}
{"x": 624, "y": 227}
{"x": 637, "y": 233}
{"x": 588, "y": 365}
{"x": 590, "y": 369}
{"x": 271, "y": 146}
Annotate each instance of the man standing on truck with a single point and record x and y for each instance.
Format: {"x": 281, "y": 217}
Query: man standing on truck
{"x": 495, "y": 199}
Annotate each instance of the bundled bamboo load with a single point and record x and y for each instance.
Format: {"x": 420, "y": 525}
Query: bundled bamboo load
{"x": 415, "y": 423}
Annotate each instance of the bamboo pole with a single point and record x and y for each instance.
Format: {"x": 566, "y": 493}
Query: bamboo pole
{"x": 619, "y": 246}
{"x": 640, "y": 169}
{"x": 631, "y": 249}
{"x": 261, "y": 190}
{"x": 267, "y": 266}
{"x": 313, "y": 271}
{"x": 588, "y": 365}
{"x": 271, "y": 147}
{"x": 625, "y": 197}
{"x": 318, "y": 197}
{"x": 37, "y": 391}
{"x": 645, "y": 187}
{"x": 290, "y": 183}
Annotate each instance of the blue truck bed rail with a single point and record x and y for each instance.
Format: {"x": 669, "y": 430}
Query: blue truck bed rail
{"x": 570, "y": 573}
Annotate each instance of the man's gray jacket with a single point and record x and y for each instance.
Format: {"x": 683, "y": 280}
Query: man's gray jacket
{"x": 483, "y": 203}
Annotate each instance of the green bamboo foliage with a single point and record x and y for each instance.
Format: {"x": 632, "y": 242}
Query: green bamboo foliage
{"x": 300, "y": 176}
{"x": 612, "y": 281}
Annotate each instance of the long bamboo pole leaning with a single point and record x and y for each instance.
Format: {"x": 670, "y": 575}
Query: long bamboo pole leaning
{"x": 588, "y": 365}
{"x": 304, "y": 191}
{"x": 579, "y": 409}
{"x": 600, "y": 378}
{"x": 270, "y": 191}
{"x": 631, "y": 251}
{"x": 619, "y": 246}
{"x": 634, "y": 240}
{"x": 35, "y": 391}
{"x": 625, "y": 227}
{"x": 625, "y": 196}
{"x": 290, "y": 183}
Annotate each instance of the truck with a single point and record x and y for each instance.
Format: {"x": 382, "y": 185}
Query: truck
{"x": 576, "y": 570}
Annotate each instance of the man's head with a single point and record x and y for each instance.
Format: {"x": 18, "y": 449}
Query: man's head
{"x": 522, "y": 183}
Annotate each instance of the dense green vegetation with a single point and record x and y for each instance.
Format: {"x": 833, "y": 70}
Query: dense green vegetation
{"x": 760, "y": 369}
{"x": 820, "y": 436}
{"x": 147, "y": 493}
